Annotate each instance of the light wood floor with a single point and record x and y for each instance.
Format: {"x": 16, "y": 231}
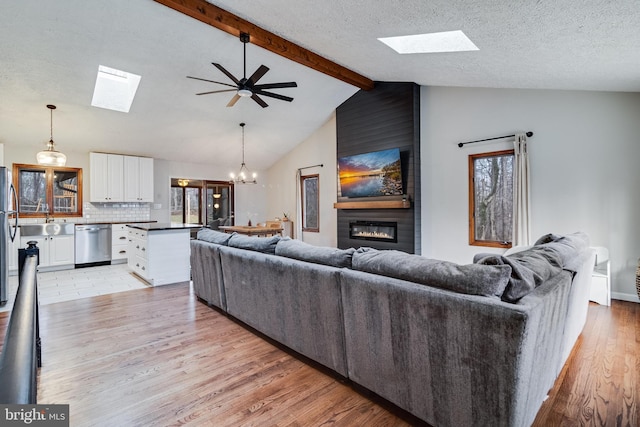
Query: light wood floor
{"x": 159, "y": 357}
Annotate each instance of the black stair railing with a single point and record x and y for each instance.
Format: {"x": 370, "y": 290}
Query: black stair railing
{"x": 21, "y": 355}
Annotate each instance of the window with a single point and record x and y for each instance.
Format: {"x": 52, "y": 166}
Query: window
{"x": 185, "y": 201}
{"x": 491, "y": 199}
{"x": 44, "y": 191}
{"x": 310, "y": 187}
{"x": 219, "y": 207}
{"x": 196, "y": 201}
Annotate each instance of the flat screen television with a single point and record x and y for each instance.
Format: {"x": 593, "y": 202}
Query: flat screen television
{"x": 377, "y": 173}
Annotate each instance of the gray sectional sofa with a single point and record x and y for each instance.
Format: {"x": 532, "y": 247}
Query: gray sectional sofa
{"x": 454, "y": 345}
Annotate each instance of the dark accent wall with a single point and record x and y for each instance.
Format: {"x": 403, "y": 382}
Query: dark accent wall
{"x": 386, "y": 117}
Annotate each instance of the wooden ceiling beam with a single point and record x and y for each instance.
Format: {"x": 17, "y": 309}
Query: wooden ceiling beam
{"x": 234, "y": 25}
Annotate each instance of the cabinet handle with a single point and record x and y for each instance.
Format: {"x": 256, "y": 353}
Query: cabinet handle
{"x": 122, "y": 238}
{"x": 138, "y": 265}
{"x": 144, "y": 249}
{"x": 123, "y": 252}
{"x": 137, "y": 246}
{"x": 143, "y": 268}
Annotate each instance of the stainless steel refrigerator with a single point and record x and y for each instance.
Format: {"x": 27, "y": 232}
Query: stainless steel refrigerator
{"x": 8, "y": 204}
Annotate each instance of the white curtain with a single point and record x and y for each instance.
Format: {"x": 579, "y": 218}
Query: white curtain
{"x": 298, "y": 221}
{"x": 521, "y": 193}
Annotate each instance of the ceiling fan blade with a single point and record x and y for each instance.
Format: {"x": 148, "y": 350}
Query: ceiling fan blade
{"x": 226, "y": 73}
{"x": 273, "y": 95}
{"x": 259, "y": 100}
{"x": 257, "y": 75}
{"x": 275, "y": 85}
{"x": 216, "y": 91}
{"x": 233, "y": 100}
{"x": 210, "y": 81}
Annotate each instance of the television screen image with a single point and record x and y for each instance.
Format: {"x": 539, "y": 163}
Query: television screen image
{"x": 370, "y": 174}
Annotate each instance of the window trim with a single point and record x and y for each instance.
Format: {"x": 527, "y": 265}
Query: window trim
{"x": 472, "y": 223}
{"x": 48, "y": 170}
{"x": 303, "y": 202}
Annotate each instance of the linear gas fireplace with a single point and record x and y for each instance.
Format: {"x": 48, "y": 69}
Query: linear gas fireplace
{"x": 381, "y": 231}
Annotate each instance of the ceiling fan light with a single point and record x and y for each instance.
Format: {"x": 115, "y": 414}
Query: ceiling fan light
{"x": 244, "y": 92}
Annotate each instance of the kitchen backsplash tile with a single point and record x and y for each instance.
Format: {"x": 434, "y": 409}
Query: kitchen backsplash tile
{"x": 116, "y": 212}
{"x": 103, "y": 212}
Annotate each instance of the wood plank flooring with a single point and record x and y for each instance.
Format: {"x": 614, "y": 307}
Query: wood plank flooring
{"x": 600, "y": 383}
{"x": 159, "y": 357}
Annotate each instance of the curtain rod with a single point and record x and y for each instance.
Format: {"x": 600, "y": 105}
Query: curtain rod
{"x": 309, "y": 167}
{"x": 529, "y": 135}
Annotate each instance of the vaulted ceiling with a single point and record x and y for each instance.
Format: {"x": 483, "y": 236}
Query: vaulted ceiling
{"x": 51, "y": 51}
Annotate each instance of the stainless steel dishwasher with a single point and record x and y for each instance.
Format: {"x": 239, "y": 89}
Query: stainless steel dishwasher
{"x": 93, "y": 244}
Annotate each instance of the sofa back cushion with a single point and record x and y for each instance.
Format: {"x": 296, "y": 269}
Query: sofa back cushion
{"x": 472, "y": 279}
{"x": 529, "y": 269}
{"x": 213, "y": 236}
{"x": 302, "y": 251}
{"x": 265, "y": 245}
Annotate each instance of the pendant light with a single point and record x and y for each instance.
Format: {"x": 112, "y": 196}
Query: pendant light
{"x": 242, "y": 177}
{"x": 51, "y": 157}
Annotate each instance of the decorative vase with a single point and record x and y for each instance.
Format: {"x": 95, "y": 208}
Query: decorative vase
{"x": 249, "y": 223}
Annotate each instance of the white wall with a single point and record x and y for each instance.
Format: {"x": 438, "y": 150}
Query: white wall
{"x": 584, "y": 173}
{"x": 319, "y": 148}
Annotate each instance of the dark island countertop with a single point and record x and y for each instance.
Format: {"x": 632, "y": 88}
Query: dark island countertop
{"x": 163, "y": 226}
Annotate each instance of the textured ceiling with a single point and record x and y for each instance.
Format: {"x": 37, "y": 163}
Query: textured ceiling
{"x": 50, "y": 52}
{"x": 561, "y": 44}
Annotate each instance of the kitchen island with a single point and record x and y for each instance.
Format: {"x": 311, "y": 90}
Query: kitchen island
{"x": 159, "y": 252}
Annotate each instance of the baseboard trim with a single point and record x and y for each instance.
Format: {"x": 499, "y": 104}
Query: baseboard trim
{"x": 625, "y": 297}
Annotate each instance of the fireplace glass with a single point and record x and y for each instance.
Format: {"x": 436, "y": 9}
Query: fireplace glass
{"x": 381, "y": 231}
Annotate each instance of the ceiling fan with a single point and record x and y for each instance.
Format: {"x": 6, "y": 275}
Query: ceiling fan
{"x": 246, "y": 87}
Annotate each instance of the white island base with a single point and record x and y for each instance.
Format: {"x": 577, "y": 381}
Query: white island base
{"x": 160, "y": 253}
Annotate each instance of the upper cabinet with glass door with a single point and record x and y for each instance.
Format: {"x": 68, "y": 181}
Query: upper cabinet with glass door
{"x": 45, "y": 191}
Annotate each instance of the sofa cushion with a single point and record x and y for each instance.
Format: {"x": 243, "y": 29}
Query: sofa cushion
{"x": 302, "y": 251}
{"x": 265, "y": 245}
{"x": 529, "y": 269}
{"x": 550, "y": 237}
{"x": 473, "y": 279}
{"x": 569, "y": 248}
{"x": 213, "y": 236}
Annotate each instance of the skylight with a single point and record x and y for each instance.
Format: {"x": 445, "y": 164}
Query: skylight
{"x": 114, "y": 89}
{"x": 448, "y": 41}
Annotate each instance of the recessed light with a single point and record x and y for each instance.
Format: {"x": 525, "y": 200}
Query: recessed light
{"x": 114, "y": 89}
{"x": 448, "y": 41}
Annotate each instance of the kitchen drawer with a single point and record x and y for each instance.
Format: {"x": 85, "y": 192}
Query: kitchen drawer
{"x": 134, "y": 233}
{"x": 120, "y": 251}
{"x": 141, "y": 267}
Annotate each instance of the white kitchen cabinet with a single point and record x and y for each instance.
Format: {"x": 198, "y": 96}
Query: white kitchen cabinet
{"x": 106, "y": 177}
{"x": 160, "y": 256}
{"x": 138, "y": 179}
{"x": 55, "y": 251}
{"x": 119, "y": 243}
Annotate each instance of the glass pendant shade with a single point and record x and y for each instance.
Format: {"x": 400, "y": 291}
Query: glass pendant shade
{"x": 51, "y": 157}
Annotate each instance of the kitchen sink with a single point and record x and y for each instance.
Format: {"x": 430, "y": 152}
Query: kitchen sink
{"x": 52, "y": 229}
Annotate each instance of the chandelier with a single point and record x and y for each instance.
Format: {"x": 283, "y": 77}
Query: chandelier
{"x": 51, "y": 157}
{"x": 242, "y": 177}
